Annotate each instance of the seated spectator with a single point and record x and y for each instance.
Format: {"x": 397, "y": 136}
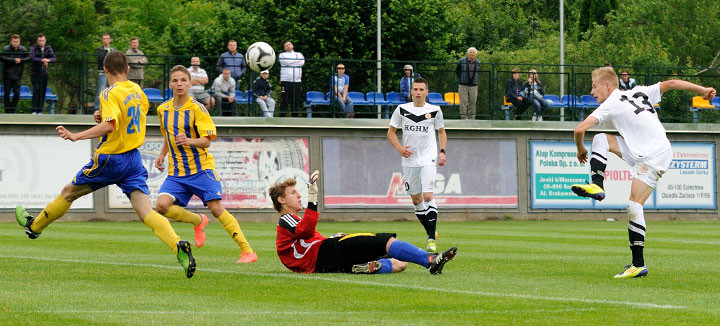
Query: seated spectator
{"x": 261, "y": 91}
{"x": 406, "y": 82}
{"x": 514, "y": 93}
{"x": 340, "y": 86}
{"x": 534, "y": 94}
{"x": 223, "y": 90}
{"x": 625, "y": 82}
{"x": 198, "y": 80}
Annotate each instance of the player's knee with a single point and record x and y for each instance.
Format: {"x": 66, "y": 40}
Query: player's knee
{"x": 428, "y": 196}
{"x": 416, "y": 199}
{"x": 216, "y": 208}
{"x": 161, "y": 208}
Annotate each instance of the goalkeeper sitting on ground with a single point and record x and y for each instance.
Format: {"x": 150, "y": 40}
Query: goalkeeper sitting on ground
{"x": 302, "y": 249}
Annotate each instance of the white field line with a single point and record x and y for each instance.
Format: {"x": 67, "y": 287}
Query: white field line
{"x": 367, "y": 282}
{"x": 322, "y": 313}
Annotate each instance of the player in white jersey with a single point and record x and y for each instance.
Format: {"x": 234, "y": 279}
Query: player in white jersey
{"x": 418, "y": 121}
{"x": 642, "y": 144}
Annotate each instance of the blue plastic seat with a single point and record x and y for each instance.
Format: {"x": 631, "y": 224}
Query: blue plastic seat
{"x": 553, "y": 100}
{"x": 358, "y": 98}
{"x": 395, "y": 98}
{"x": 316, "y": 98}
{"x": 249, "y": 98}
{"x": 716, "y": 102}
{"x": 153, "y": 95}
{"x": 376, "y": 98}
{"x": 436, "y": 99}
{"x": 589, "y": 101}
{"x": 570, "y": 101}
{"x": 240, "y": 98}
{"x": 168, "y": 94}
{"x": 25, "y": 93}
{"x": 49, "y": 96}
{"x": 2, "y": 90}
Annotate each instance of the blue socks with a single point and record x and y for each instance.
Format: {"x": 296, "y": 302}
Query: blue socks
{"x": 386, "y": 266}
{"x": 404, "y": 251}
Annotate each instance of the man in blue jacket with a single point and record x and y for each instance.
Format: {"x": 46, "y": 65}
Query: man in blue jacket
{"x": 41, "y": 55}
{"x": 234, "y": 61}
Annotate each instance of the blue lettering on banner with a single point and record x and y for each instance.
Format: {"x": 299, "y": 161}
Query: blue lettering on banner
{"x": 689, "y": 164}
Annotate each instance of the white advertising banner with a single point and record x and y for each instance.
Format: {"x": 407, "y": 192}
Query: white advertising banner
{"x": 689, "y": 183}
{"x": 34, "y": 169}
{"x": 245, "y": 166}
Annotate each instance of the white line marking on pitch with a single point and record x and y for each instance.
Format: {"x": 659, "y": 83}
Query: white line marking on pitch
{"x": 364, "y": 313}
{"x": 365, "y": 282}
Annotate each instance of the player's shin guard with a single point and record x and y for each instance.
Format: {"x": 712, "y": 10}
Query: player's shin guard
{"x": 431, "y": 216}
{"x": 231, "y": 225}
{"x": 598, "y": 159}
{"x": 179, "y": 214}
{"x": 420, "y": 210}
{"x": 386, "y": 266}
{"x": 636, "y": 232}
{"x": 162, "y": 229}
{"x": 404, "y": 251}
{"x": 56, "y": 209}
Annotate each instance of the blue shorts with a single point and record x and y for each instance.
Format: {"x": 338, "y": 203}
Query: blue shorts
{"x": 125, "y": 170}
{"x": 203, "y": 184}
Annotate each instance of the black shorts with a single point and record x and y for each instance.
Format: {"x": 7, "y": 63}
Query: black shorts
{"x": 338, "y": 255}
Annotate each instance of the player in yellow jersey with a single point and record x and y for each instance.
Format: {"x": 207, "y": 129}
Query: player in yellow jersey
{"x": 187, "y": 131}
{"x": 121, "y": 126}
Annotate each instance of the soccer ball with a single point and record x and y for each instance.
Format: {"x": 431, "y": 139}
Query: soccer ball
{"x": 260, "y": 56}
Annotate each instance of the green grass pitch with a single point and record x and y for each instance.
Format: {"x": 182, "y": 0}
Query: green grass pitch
{"x": 509, "y": 272}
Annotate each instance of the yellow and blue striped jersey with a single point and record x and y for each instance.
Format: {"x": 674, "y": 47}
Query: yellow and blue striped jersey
{"x": 194, "y": 121}
{"x": 126, "y": 104}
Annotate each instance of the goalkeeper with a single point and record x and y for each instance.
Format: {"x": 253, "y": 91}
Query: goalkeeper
{"x": 302, "y": 249}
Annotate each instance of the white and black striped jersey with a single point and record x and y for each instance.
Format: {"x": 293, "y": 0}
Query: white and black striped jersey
{"x": 633, "y": 114}
{"x": 418, "y": 125}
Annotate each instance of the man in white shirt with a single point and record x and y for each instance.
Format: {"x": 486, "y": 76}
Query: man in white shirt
{"x": 419, "y": 121}
{"x": 198, "y": 80}
{"x": 642, "y": 144}
{"x": 291, "y": 63}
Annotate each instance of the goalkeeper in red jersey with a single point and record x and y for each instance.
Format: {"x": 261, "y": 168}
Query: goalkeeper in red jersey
{"x": 302, "y": 249}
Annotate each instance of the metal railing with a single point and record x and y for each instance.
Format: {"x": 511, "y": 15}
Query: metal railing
{"x": 73, "y": 78}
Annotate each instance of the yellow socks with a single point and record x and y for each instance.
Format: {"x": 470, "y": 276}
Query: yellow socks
{"x": 230, "y": 224}
{"x": 163, "y": 230}
{"x": 56, "y": 209}
{"x": 179, "y": 214}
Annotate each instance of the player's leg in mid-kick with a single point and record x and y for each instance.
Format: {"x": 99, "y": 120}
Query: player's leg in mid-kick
{"x": 53, "y": 211}
{"x": 602, "y": 145}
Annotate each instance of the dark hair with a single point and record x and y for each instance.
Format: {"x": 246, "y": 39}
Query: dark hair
{"x": 40, "y": 35}
{"x": 116, "y": 63}
{"x": 105, "y": 34}
{"x": 278, "y": 190}
{"x": 516, "y": 71}
{"x": 624, "y": 71}
{"x": 421, "y": 81}
{"x": 231, "y": 41}
{"x": 286, "y": 42}
{"x": 14, "y": 36}
{"x": 134, "y": 38}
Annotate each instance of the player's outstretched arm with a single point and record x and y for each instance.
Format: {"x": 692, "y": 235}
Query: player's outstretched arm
{"x": 675, "y": 84}
{"x": 588, "y": 123}
{"x": 101, "y": 129}
{"x": 313, "y": 187}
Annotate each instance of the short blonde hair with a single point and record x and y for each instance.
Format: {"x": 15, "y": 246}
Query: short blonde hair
{"x": 606, "y": 74}
{"x": 180, "y": 68}
{"x": 278, "y": 190}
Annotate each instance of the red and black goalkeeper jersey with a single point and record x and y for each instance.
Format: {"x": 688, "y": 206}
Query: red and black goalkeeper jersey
{"x": 297, "y": 241}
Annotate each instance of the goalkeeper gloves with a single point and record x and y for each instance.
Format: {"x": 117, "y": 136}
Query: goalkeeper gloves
{"x": 312, "y": 187}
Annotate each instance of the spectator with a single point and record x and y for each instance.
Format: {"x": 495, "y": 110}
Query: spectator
{"x": 291, "y": 63}
{"x": 198, "y": 80}
{"x": 40, "y": 55}
{"x": 625, "y": 81}
{"x": 467, "y": 73}
{"x": 14, "y": 56}
{"x": 232, "y": 60}
{"x": 223, "y": 89}
{"x": 261, "y": 91}
{"x": 136, "y": 61}
{"x": 100, "y": 54}
{"x": 534, "y": 92}
{"x": 514, "y": 93}
{"x": 341, "y": 83}
{"x": 406, "y": 82}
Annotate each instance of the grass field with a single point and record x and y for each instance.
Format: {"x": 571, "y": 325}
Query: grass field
{"x": 509, "y": 272}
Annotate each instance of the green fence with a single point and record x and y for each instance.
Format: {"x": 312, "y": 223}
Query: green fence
{"x": 73, "y": 78}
